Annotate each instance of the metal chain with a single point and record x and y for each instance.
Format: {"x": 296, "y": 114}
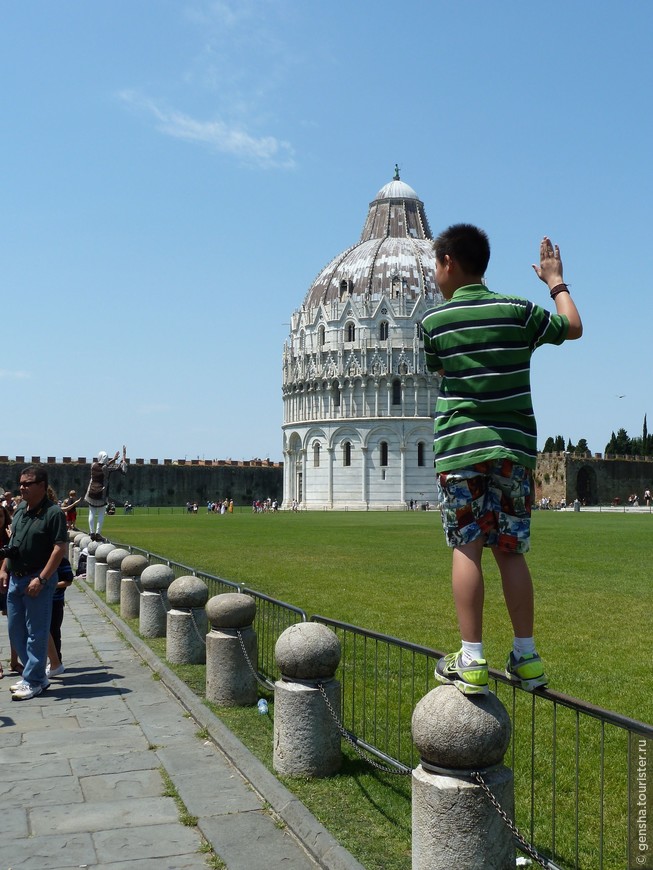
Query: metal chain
{"x": 524, "y": 845}
{"x": 196, "y": 627}
{"x": 353, "y": 743}
{"x": 258, "y": 679}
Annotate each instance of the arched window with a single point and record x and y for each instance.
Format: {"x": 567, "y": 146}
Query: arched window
{"x": 316, "y": 455}
{"x": 420, "y": 454}
{"x": 419, "y": 332}
{"x": 383, "y": 452}
{"x": 350, "y": 331}
{"x": 336, "y": 395}
{"x": 383, "y": 330}
{"x": 396, "y": 392}
{"x": 321, "y": 336}
{"x": 346, "y": 454}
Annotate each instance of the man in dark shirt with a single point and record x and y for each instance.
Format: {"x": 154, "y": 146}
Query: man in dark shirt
{"x": 38, "y": 541}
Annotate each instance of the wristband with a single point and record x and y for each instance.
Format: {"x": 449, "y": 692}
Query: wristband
{"x": 559, "y": 288}
{"x": 42, "y": 581}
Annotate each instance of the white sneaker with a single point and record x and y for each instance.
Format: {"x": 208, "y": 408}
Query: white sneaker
{"x": 24, "y": 693}
{"x": 54, "y": 672}
{"x": 17, "y": 686}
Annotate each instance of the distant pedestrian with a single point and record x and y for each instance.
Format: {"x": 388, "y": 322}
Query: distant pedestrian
{"x": 98, "y": 489}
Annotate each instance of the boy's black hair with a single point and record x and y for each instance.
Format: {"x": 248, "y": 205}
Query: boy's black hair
{"x": 468, "y": 245}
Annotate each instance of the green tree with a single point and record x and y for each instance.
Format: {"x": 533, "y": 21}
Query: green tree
{"x": 559, "y": 444}
{"x": 571, "y": 448}
{"x": 582, "y": 446}
{"x": 619, "y": 443}
{"x": 549, "y": 445}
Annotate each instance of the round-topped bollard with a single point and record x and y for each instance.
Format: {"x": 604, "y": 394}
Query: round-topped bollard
{"x": 454, "y": 824}
{"x": 70, "y": 537}
{"x": 101, "y": 566}
{"x": 186, "y": 622}
{"x": 131, "y": 569}
{"x": 81, "y": 547}
{"x": 114, "y": 560}
{"x": 230, "y": 672}
{"x": 306, "y": 736}
{"x": 90, "y": 561}
{"x": 77, "y": 537}
{"x": 155, "y": 580}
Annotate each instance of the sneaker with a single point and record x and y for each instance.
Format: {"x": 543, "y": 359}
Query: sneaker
{"x": 54, "y": 672}
{"x": 22, "y": 683}
{"x": 528, "y": 671}
{"x": 17, "y": 686}
{"x": 470, "y": 679}
{"x": 24, "y": 693}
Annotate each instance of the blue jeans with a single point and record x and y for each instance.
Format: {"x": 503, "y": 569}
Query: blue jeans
{"x": 29, "y": 625}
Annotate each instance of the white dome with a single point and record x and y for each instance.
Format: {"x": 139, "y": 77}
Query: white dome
{"x": 396, "y": 190}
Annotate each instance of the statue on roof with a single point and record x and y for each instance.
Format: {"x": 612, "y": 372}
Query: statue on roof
{"x": 396, "y": 178}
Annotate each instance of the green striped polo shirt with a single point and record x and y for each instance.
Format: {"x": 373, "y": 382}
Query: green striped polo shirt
{"x": 484, "y": 343}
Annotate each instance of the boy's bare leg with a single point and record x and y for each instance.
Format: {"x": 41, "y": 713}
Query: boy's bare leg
{"x": 468, "y": 589}
{"x": 517, "y": 590}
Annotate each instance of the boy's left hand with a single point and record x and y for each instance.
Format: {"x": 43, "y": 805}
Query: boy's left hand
{"x": 550, "y": 268}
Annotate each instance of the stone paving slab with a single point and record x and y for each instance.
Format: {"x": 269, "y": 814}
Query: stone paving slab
{"x": 48, "y": 853}
{"x": 104, "y": 815}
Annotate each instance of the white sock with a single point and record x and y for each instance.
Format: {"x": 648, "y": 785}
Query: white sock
{"x": 523, "y": 646}
{"x": 472, "y": 652}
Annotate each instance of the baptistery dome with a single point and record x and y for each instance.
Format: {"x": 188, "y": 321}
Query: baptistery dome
{"x": 358, "y": 400}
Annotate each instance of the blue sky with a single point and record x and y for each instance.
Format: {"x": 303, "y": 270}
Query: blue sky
{"x": 175, "y": 174}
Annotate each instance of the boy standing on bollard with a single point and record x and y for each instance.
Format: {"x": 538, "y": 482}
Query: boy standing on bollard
{"x": 485, "y": 442}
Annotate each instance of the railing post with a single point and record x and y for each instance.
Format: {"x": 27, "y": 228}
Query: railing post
{"x": 306, "y": 736}
{"x": 187, "y": 624}
{"x": 230, "y": 679}
{"x": 114, "y": 560}
{"x": 454, "y": 823}
{"x": 155, "y": 582}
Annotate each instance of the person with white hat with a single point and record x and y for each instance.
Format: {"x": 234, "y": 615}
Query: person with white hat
{"x": 97, "y": 493}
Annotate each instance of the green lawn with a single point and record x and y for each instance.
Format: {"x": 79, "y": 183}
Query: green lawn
{"x": 389, "y": 572}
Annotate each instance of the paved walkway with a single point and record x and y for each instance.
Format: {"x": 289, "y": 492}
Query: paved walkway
{"x": 81, "y": 769}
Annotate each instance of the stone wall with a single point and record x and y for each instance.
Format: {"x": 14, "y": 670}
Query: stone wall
{"x": 592, "y": 479}
{"x": 160, "y": 483}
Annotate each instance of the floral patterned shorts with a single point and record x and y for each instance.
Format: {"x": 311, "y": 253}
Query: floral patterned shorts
{"x": 491, "y": 500}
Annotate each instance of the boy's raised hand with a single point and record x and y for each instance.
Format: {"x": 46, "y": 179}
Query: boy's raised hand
{"x": 550, "y": 268}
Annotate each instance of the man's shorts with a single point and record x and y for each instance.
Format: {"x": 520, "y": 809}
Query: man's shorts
{"x": 490, "y": 500}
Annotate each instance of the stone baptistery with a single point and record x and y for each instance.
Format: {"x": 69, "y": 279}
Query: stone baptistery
{"x": 358, "y": 401}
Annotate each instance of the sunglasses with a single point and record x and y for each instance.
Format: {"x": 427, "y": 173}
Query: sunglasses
{"x": 25, "y": 483}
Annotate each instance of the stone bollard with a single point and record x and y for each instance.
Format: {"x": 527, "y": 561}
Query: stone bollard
{"x": 90, "y": 561}
{"x": 131, "y": 569}
{"x": 155, "y": 581}
{"x": 114, "y": 560}
{"x": 186, "y": 623}
{"x": 230, "y": 680}
{"x": 306, "y": 737}
{"x": 71, "y": 546}
{"x": 101, "y": 566}
{"x": 76, "y": 548}
{"x": 454, "y": 823}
